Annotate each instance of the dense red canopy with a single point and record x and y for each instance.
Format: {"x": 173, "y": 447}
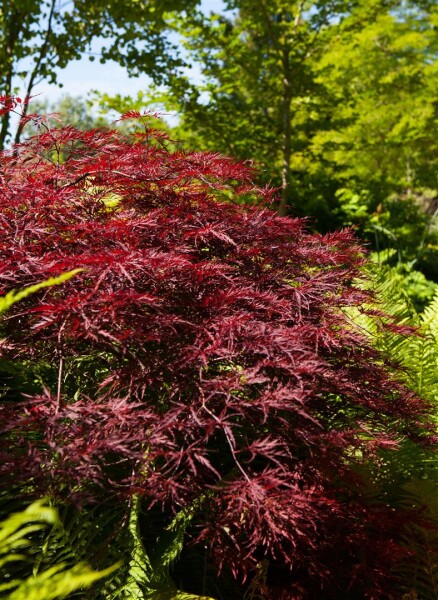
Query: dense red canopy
{"x": 201, "y": 358}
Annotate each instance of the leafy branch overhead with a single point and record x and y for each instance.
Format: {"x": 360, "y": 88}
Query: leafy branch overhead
{"x": 52, "y": 34}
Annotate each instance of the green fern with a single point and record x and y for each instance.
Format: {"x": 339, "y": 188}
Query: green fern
{"x": 417, "y": 355}
{"x": 22, "y": 544}
{"x": 429, "y": 325}
{"x": 19, "y": 534}
{"x": 430, "y": 316}
{"x": 408, "y": 478}
{"x": 52, "y": 553}
{"x": 12, "y": 297}
{"x": 420, "y": 571}
{"x": 147, "y": 576}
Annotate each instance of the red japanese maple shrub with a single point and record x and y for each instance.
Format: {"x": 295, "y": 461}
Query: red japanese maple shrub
{"x": 201, "y": 359}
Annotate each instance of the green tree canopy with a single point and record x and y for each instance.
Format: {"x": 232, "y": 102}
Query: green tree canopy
{"x": 336, "y": 101}
{"x": 319, "y": 92}
{"x": 258, "y": 97}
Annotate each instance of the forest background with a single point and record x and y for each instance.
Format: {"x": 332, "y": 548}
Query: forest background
{"x": 333, "y": 102}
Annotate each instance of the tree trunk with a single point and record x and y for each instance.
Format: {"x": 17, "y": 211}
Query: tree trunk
{"x": 35, "y": 72}
{"x": 287, "y": 138}
{"x": 13, "y": 35}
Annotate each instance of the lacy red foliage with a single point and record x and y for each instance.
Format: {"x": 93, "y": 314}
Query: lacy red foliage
{"x": 201, "y": 356}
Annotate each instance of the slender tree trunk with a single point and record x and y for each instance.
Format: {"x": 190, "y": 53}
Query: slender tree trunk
{"x": 284, "y": 49}
{"x": 283, "y": 207}
{"x": 35, "y": 73}
{"x": 287, "y": 136}
{"x": 5, "y": 122}
{"x": 14, "y": 34}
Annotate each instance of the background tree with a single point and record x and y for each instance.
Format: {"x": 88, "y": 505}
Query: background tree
{"x": 75, "y": 110}
{"x": 258, "y": 96}
{"x": 348, "y": 88}
{"x": 380, "y": 145}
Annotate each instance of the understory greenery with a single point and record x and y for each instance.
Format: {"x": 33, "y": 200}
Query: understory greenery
{"x": 216, "y": 402}
{"x": 25, "y": 536}
{"x": 409, "y": 476}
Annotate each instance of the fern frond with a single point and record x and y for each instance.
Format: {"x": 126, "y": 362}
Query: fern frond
{"x": 58, "y": 582}
{"x": 420, "y": 571}
{"x": 415, "y": 354}
{"x": 20, "y": 539}
{"x": 147, "y": 577}
{"x": 12, "y": 297}
{"x": 408, "y": 478}
{"x": 429, "y": 318}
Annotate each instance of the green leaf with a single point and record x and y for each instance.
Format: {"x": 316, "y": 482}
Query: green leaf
{"x": 12, "y": 297}
{"x": 59, "y": 582}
